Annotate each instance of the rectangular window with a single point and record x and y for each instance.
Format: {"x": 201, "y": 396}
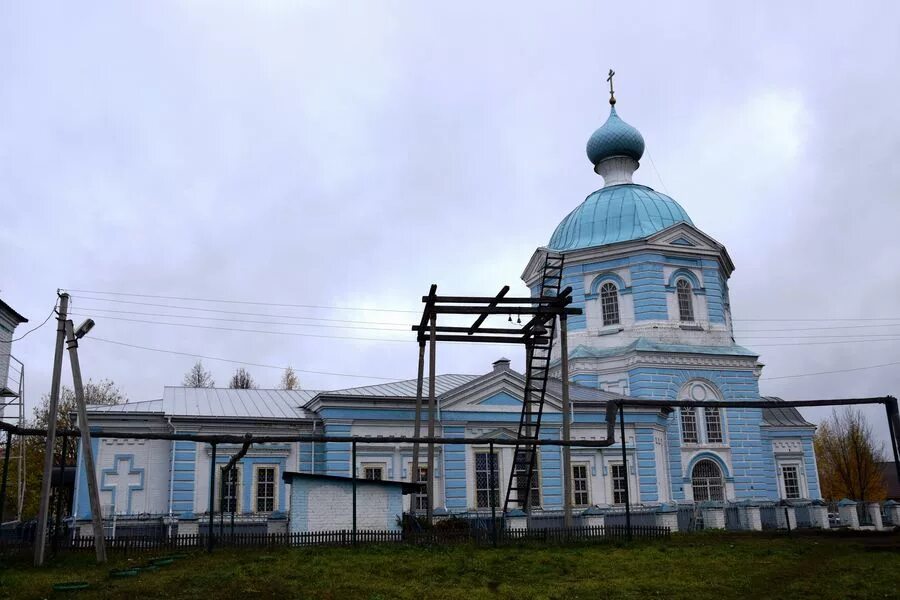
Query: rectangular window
{"x": 373, "y": 472}
{"x": 618, "y": 483}
{"x": 534, "y": 496}
{"x": 791, "y": 482}
{"x": 421, "y": 500}
{"x": 229, "y": 489}
{"x": 486, "y": 480}
{"x": 265, "y": 489}
{"x": 713, "y": 425}
{"x": 689, "y": 425}
{"x": 580, "y": 486}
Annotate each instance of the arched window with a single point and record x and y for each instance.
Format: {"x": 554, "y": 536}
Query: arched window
{"x": 609, "y": 303}
{"x": 701, "y": 425}
{"x": 713, "y": 425}
{"x": 689, "y": 425}
{"x": 707, "y": 482}
{"x": 685, "y": 300}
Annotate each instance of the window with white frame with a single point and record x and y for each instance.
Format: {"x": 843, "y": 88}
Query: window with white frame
{"x": 420, "y": 501}
{"x": 689, "y": 425}
{"x": 618, "y": 474}
{"x": 702, "y": 425}
{"x": 487, "y": 489}
{"x": 713, "y": 425}
{"x": 707, "y": 481}
{"x": 266, "y": 490}
{"x": 609, "y": 303}
{"x": 581, "y": 494}
{"x": 229, "y": 490}
{"x": 685, "y": 300}
{"x": 790, "y": 477}
{"x": 373, "y": 472}
{"x": 521, "y": 472}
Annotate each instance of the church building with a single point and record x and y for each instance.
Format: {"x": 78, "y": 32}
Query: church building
{"x": 656, "y": 325}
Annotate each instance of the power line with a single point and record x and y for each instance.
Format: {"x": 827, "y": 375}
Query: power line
{"x": 890, "y": 364}
{"x": 239, "y": 362}
{"x": 52, "y": 312}
{"x": 231, "y": 312}
{"x": 881, "y": 325}
{"x": 395, "y": 310}
{"x": 245, "y": 302}
{"x": 290, "y": 333}
{"x": 402, "y": 328}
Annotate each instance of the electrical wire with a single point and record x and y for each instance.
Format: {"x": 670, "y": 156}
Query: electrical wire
{"x": 94, "y": 313}
{"x": 239, "y": 362}
{"x": 850, "y": 370}
{"x": 52, "y": 312}
{"x": 284, "y": 305}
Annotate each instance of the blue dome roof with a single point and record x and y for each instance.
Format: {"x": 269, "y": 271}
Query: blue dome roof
{"x": 617, "y": 213}
{"x": 615, "y": 138}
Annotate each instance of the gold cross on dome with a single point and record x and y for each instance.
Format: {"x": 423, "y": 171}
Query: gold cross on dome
{"x": 612, "y": 97}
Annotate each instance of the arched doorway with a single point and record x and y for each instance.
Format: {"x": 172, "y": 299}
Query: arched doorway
{"x": 707, "y": 481}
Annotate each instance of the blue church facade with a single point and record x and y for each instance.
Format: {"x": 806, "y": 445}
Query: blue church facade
{"x": 656, "y": 325}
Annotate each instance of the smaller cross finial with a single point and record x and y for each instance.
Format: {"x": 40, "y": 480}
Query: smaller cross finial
{"x": 612, "y": 93}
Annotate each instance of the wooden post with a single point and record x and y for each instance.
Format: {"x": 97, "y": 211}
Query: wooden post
{"x": 432, "y": 359}
{"x": 417, "y": 426}
{"x": 86, "y": 450}
{"x": 212, "y": 499}
{"x": 567, "y": 422}
{"x": 492, "y": 484}
{"x": 625, "y": 470}
{"x": 40, "y": 536}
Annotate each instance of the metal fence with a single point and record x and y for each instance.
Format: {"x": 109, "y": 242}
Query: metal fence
{"x": 348, "y": 537}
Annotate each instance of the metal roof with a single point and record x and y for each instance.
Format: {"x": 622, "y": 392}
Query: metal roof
{"x": 404, "y": 389}
{"x": 783, "y": 417}
{"x": 220, "y": 402}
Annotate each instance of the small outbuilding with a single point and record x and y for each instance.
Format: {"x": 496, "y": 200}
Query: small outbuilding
{"x": 325, "y": 502}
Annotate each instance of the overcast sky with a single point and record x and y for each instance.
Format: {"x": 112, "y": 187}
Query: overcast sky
{"x": 352, "y": 154}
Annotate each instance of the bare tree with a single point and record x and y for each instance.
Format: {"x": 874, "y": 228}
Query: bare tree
{"x": 848, "y": 457}
{"x": 198, "y": 377}
{"x": 241, "y": 380}
{"x": 289, "y": 380}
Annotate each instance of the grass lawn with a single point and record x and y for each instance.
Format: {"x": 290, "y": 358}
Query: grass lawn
{"x": 695, "y": 566}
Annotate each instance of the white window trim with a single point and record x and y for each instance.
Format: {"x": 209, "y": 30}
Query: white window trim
{"x": 276, "y": 499}
{"x": 610, "y": 489}
{"x": 373, "y": 465}
{"x": 588, "y": 478}
{"x": 801, "y": 477}
{"x": 238, "y": 487}
{"x": 500, "y": 478}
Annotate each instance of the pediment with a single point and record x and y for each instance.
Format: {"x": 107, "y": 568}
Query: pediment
{"x": 685, "y": 237}
{"x": 498, "y": 392}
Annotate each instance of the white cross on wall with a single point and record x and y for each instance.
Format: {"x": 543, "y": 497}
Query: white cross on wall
{"x": 121, "y": 481}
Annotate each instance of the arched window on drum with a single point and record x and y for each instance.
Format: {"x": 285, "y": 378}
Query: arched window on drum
{"x": 609, "y": 303}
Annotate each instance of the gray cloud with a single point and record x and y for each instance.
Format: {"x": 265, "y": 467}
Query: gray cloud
{"x": 340, "y": 154}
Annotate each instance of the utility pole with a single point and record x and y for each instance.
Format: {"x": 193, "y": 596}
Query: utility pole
{"x": 86, "y": 451}
{"x": 432, "y": 348}
{"x": 417, "y": 427}
{"x": 40, "y": 537}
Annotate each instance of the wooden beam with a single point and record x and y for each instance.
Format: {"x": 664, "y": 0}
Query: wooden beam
{"x": 499, "y": 310}
{"x": 484, "y": 316}
{"x": 454, "y": 329}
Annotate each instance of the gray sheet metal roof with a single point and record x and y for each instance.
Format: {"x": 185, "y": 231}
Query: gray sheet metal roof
{"x": 783, "y": 417}
{"x": 406, "y": 388}
{"x": 220, "y": 402}
{"x": 581, "y": 393}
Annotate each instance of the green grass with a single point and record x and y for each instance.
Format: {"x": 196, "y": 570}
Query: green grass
{"x": 696, "y": 566}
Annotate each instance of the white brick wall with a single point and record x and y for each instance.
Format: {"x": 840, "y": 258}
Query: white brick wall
{"x": 329, "y": 507}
